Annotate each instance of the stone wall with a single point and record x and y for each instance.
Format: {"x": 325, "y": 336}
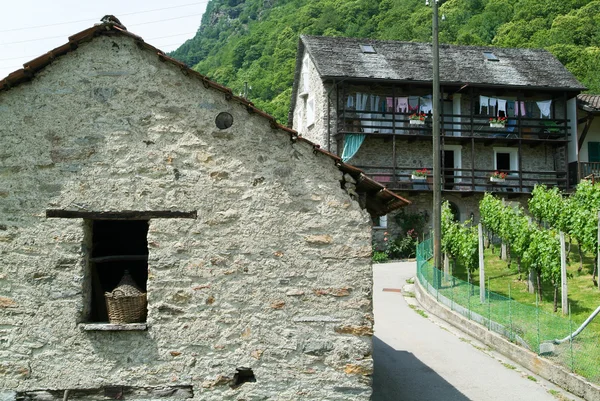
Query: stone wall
{"x": 317, "y": 92}
{"x": 274, "y": 274}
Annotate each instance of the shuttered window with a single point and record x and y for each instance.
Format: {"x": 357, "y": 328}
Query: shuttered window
{"x": 593, "y": 152}
{"x": 310, "y": 112}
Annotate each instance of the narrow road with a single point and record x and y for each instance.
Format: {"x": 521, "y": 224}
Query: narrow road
{"x": 421, "y": 358}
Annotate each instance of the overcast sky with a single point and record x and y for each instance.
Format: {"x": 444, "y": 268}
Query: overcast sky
{"x": 31, "y": 28}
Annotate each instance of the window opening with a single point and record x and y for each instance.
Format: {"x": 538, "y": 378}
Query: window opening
{"x": 502, "y": 161}
{"x": 116, "y": 246}
{"x": 305, "y": 81}
{"x": 506, "y": 159}
{"x": 310, "y": 112}
{"x": 379, "y": 221}
{"x": 367, "y": 49}
{"x": 242, "y": 375}
{"x": 454, "y": 210}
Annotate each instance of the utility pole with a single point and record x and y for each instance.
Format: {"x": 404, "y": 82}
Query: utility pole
{"x": 437, "y": 179}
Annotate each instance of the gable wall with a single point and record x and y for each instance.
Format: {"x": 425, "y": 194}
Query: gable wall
{"x": 316, "y": 132}
{"x": 274, "y": 274}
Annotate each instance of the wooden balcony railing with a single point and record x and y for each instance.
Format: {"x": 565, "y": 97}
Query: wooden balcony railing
{"x": 467, "y": 180}
{"x": 587, "y": 169}
{"x": 453, "y": 125}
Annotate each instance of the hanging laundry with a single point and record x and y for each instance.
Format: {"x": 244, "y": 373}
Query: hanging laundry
{"x": 361, "y": 101}
{"x": 520, "y": 109}
{"x": 426, "y": 105}
{"x": 401, "y": 105}
{"x": 374, "y": 103}
{"x": 413, "y": 103}
{"x": 544, "y": 107}
{"x": 350, "y": 102}
{"x": 501, "y": 107}
{"x": 484, "y": 101}
{"x": 390, "y": 103}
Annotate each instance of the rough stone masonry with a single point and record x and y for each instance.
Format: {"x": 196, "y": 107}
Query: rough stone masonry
{"x": 273, "y": 275}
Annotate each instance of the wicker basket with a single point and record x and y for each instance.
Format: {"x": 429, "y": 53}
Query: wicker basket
{"x": 126, "y": 303}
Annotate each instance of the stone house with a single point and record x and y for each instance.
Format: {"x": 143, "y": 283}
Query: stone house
{"x": 252, "y": 243}
{"x": 370, "y": 102}
{"x": 588, "y": 138}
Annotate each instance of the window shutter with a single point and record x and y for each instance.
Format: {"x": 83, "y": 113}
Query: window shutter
{"x": 310, "y": 112}
{"x": 593, "y": 152}
{"x": 305, "y": 83}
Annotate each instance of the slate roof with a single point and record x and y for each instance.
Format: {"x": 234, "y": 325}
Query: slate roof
{"x": 589, "y": 103}
{"x": 337, "y": 57}
{"x": 379, "y": 199}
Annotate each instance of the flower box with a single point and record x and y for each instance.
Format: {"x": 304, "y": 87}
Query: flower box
{"x": 497, "y": 179}
{"x": 417, "y": 122}
{"x": 497, "y": 125}
{"x": 418, "y": 178}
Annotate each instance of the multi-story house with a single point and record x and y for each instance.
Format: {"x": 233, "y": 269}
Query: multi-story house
{"x": 511, "y": 111}
{"x": 588, "y": 143}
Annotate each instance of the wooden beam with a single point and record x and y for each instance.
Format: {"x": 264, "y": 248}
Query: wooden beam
{"x": 588, "y": 123}
{"x": 122, "y": 215}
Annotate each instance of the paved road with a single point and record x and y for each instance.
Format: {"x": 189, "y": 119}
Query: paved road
{"x": 425, "y": 359}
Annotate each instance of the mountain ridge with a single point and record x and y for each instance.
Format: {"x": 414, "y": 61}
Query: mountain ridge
{"x": 255, "y": 41}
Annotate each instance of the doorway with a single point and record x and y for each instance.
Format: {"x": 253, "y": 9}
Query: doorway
{"x": 451, "y": 165}
{"x": 448, "y": 169}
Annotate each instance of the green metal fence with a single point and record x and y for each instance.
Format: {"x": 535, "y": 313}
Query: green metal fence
{"x": 526, "y": 325}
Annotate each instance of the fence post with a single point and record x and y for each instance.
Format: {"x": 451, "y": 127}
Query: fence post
{"x": 489, "y": 306}
{"x": 481, "y": 265}
{"x": 452, "y": 303}
{"x": 537, "y": 316}
{"x": 510, "y": 313}
{"x": 469, "y": 298}
{"x": 436, "y": 273}
{"x": 563, "y": 274}
{"x": 571, "y": 340}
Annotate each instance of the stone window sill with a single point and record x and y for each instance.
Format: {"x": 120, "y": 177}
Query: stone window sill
{"x": 113, "y": 327}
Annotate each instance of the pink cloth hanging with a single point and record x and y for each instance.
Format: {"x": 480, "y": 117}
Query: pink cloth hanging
{"x": 401, "y": 104}
{"x": 521, "y": 109}
{"x": 390, "y": 103}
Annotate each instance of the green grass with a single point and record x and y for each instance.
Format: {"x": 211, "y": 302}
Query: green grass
{"x": 520, "y": 318}
{"x": 419, "y": 311}
{"x": 410, "y": 280}
{"x": 533, "y": 379}
{"x": 557, "y": 394}
{"x": 583, "y": 296}
{"x": 509, "y": 366}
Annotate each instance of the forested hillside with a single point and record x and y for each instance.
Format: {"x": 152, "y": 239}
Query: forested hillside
{"x": 255, "y": 41}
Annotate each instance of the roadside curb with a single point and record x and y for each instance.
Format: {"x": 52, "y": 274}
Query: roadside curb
{"x": 542, "y": 367}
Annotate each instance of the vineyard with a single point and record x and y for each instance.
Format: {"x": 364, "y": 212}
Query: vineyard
{"x": 523, "y": 253}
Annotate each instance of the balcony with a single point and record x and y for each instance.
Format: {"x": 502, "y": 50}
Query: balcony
{"x": 467, "y": 181}
{"x": 587, "y": 169}
{"x": 456, "y": 127}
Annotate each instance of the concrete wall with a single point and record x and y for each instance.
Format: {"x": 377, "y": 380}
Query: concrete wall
{"x": 274, "y": 274}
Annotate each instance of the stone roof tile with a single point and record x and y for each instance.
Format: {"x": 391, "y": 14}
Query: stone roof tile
{"x": 338, "y": 57}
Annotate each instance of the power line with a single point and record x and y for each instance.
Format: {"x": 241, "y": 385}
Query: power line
{"x": 149, "y": 39}
{"x": 141, "y": 23}
{"x": 93, "y": 19}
